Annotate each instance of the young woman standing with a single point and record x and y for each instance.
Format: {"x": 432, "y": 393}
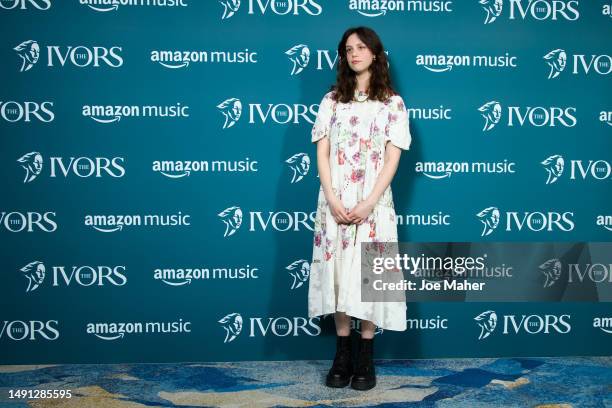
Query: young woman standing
{"x": 360, "y": 129}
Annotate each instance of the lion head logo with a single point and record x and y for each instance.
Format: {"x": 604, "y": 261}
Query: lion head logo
{"x": 232, "y": 217}
{"x": 232, "y": 323}
{"x": 231, "y": 109}
{"x": 29, "y": 52}
{"x": 493, "y": 9}
{"x": 229, "y": 8}
{"x": 551, "y": 270}
{"x": 491, "y": 112}
{"x": 487, "y": 322}
{"x": 35, "y": 274}
{"x": 299, "y": 55}
{"x": 490, "y": 218}
{"x": 554, "y": 167}
{"x": 556, "y": 59}
{"x": 300, "y": 271}
{"x": 32, "y": 163}
{"x": 300, "y": 164}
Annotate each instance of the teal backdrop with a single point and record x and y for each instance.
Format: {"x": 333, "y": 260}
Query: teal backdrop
{"x": 158, "y": 204}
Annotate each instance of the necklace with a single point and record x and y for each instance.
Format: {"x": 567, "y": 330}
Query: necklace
{"x": 360, "y": 96}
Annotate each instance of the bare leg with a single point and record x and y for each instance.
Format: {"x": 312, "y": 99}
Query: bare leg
{"x": 343, "y": 324}
{"x": 367, "y": 329}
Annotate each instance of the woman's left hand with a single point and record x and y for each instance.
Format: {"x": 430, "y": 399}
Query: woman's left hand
{"x": 360, "y": 212}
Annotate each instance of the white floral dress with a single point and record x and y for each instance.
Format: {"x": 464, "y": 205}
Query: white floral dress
{"x": 358, "y": 133}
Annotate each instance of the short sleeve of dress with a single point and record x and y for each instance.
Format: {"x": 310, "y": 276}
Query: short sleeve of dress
{"x": 397, "y": 129}
{"x": 321, "y": 127}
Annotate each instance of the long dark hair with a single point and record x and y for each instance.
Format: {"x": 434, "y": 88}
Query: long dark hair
{"x": 346, "y": 79}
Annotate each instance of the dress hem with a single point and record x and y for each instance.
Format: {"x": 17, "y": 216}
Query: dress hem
{"x": 361, "y": 317}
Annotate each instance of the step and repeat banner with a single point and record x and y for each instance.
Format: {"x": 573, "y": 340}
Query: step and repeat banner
{"x": 160, "y": 185}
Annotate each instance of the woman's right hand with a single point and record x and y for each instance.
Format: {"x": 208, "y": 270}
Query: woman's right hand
{"x": 338, "y": 211}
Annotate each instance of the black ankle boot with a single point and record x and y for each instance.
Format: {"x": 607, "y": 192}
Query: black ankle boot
{"x": 340, "y": 373}
{"x": 364, "y": 377}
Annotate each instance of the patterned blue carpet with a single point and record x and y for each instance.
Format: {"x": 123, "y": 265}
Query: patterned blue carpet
{"x": 471, "y": 383}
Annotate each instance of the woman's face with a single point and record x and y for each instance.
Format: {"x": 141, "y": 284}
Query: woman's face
{"x": 357, "y": 54}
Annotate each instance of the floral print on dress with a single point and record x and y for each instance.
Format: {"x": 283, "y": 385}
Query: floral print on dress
{"x": 358, "y": 134}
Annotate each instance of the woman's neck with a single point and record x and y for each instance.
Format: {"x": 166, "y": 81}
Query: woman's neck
{"x": 363, "y": 81}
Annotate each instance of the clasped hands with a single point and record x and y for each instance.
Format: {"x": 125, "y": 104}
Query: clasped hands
{"x": 357, "y": 215}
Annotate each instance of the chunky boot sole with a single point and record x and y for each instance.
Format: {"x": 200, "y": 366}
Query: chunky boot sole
{"x": 339, "y": 375}
{"x": 363, "y": 385}
{"x": 337, "y": 382}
